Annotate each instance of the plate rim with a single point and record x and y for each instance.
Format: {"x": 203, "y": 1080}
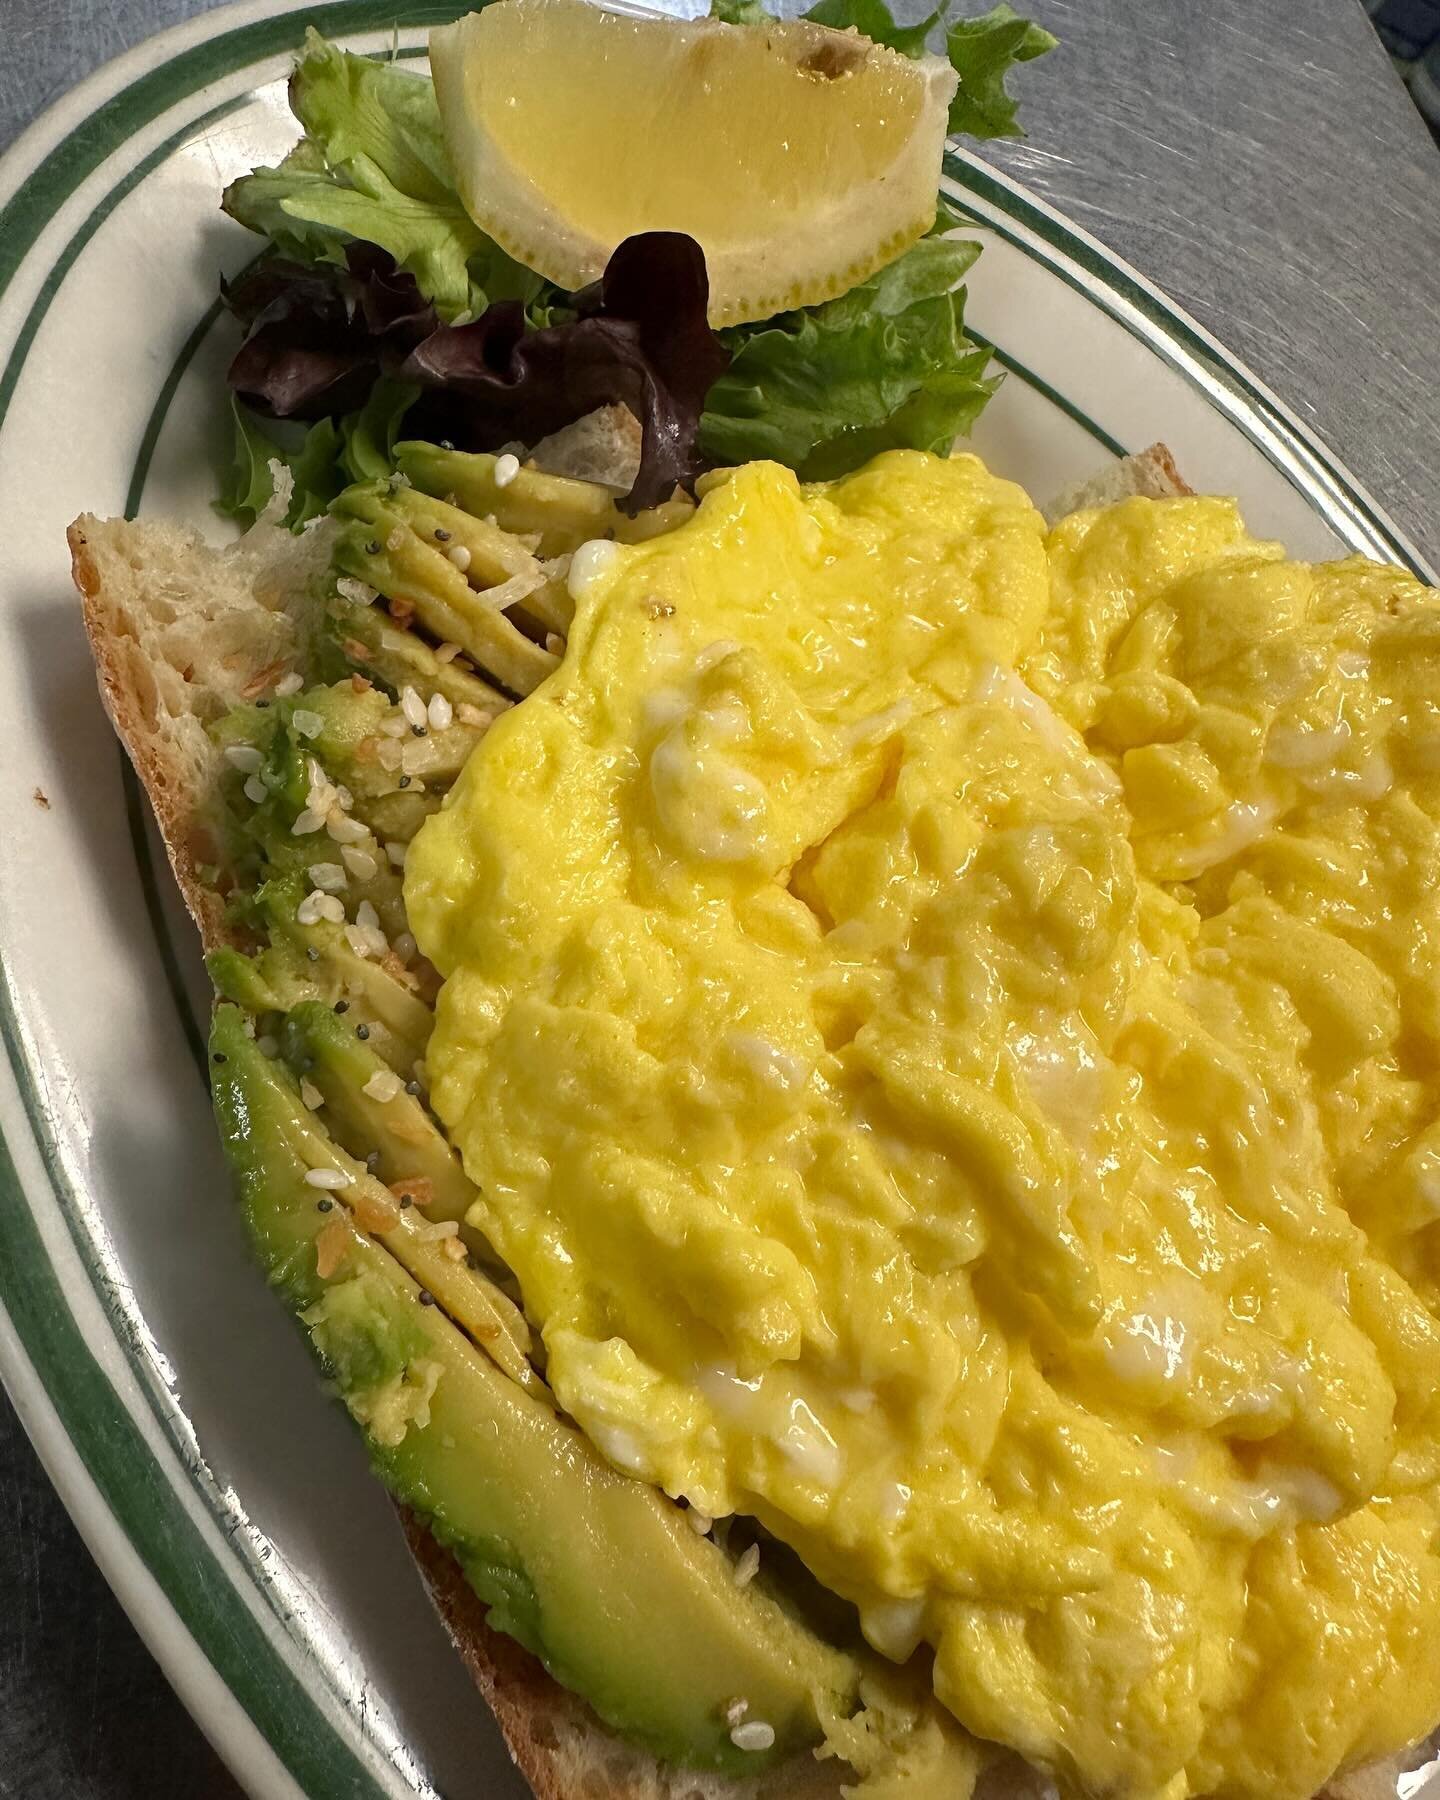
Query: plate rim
{"x": 72, "y": 140}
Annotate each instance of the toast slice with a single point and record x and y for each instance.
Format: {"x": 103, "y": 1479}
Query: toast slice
{"x": 181, "y": 631}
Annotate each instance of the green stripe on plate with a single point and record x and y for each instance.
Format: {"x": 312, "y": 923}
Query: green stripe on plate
{"x": 132, "y": 1482}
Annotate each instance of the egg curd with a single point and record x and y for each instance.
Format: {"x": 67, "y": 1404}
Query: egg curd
{"x": 946, "y": 1021}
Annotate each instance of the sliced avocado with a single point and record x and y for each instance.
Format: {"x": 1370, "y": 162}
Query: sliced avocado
{"x": 470, "y": 1299}
{"x": 439, "y": 756}
{"x": 592, "y": 1571}
{"x": 403, "y": 544}
{"x": 274, "y": 980}
{"x": 395, "y": 818}
{"x": 398, "y": 1131}
{"x": 397, "y": 1021}
{"x": 563, "y": 512}
{"x": 400, "y": 659}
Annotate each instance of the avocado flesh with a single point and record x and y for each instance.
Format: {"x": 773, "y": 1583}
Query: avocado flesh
{"x": 400, "y": 660}
{"x": 594, "y": 1572}
{"x": 410, "y": 564}
{"x": 564, "y": 512}
{"x": 398, "y": 1132}
{"x": 395, "y": 818}
{"x": 404, "y": 1020}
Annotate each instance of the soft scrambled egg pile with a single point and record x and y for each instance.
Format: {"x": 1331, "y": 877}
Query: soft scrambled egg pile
{"x": 946, "y": 1020}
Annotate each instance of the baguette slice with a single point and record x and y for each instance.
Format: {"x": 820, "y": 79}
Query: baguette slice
{"x": 181, "y": 631}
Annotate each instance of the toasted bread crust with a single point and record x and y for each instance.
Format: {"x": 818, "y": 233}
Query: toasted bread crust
{"x": 121, "y": 670}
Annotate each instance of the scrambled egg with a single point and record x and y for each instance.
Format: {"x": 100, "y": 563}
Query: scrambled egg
{"x": 946, "y": 1020}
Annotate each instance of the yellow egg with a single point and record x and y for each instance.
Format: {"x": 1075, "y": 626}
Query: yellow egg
{"x": 944, "y": 1019}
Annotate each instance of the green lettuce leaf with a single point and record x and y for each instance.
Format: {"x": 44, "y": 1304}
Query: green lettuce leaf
{"x": 739, "y": 12}
{"x": 873, "y": 19}
{"x": 982, "y": 50}
{"x": 886, "y": 366}
{"x": 314, "y": 463}
{"x": 370, "y": 434}
{"x": 982, "y": 53}
{"x": 372, "y": 165}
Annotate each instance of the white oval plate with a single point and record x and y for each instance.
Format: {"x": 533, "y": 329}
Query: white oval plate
{"x": 174, "y": 1405}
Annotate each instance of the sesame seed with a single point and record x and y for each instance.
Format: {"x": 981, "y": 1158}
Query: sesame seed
{"x": 327, "y": 1178}
{"x": 244, "y": 757}
{"x": 325, "y": 1206}
{"x": 405, "y": 947}
{"x": 404, "y": 781}
{"x": 460, "y": 556}
{"x": 412, "y": 706}
{"x": 396, "y": 853}
{"x": 306, "y": 821}
{"x": 262, "y": 702}
{"x": 256, "y": 790}
{"x": 412, "y": 1087}
{"x": 358, "y": 940}
{"x": 329, "y": 907}
{"x": 361, "y": 864}
{"x": 554, "y": 643}
{"x": 507, "y": 467}
{"x": 440, "y": 712}
{"x": 366, "y": 915}
{"x": 341, "y": 1006}
{"x": 373, "y": 547}
{"x": 753, "y": 1734}
{"x": 289, "y": 684}
{"x": 747, "y": 1566}
{"x": 362, "y": 1032}
{"x": 426, "y": 1297}
{"x": 344, "y": 830}
{"x": 441, "y": 535}
{"x": 219, "y": 1057}
{"x": 327, "y": 876}
{"x": 308, "y": 724}
{"x": 474, "y": 715}
{"x": 383, "y": 1086}
{"x": 311, "y": 1095}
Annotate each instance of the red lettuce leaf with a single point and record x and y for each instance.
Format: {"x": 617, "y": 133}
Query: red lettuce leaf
{"x": 319, "y": 337}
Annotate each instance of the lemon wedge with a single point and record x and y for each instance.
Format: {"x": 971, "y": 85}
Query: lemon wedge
{"x": 801, "y": 159}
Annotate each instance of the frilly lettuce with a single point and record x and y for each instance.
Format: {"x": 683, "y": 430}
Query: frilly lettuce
{"x": 372, "y": 166}
{"x": 886, "y": 366}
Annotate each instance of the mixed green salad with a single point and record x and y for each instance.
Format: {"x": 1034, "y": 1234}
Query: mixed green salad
{"x": 378, "y": 310}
